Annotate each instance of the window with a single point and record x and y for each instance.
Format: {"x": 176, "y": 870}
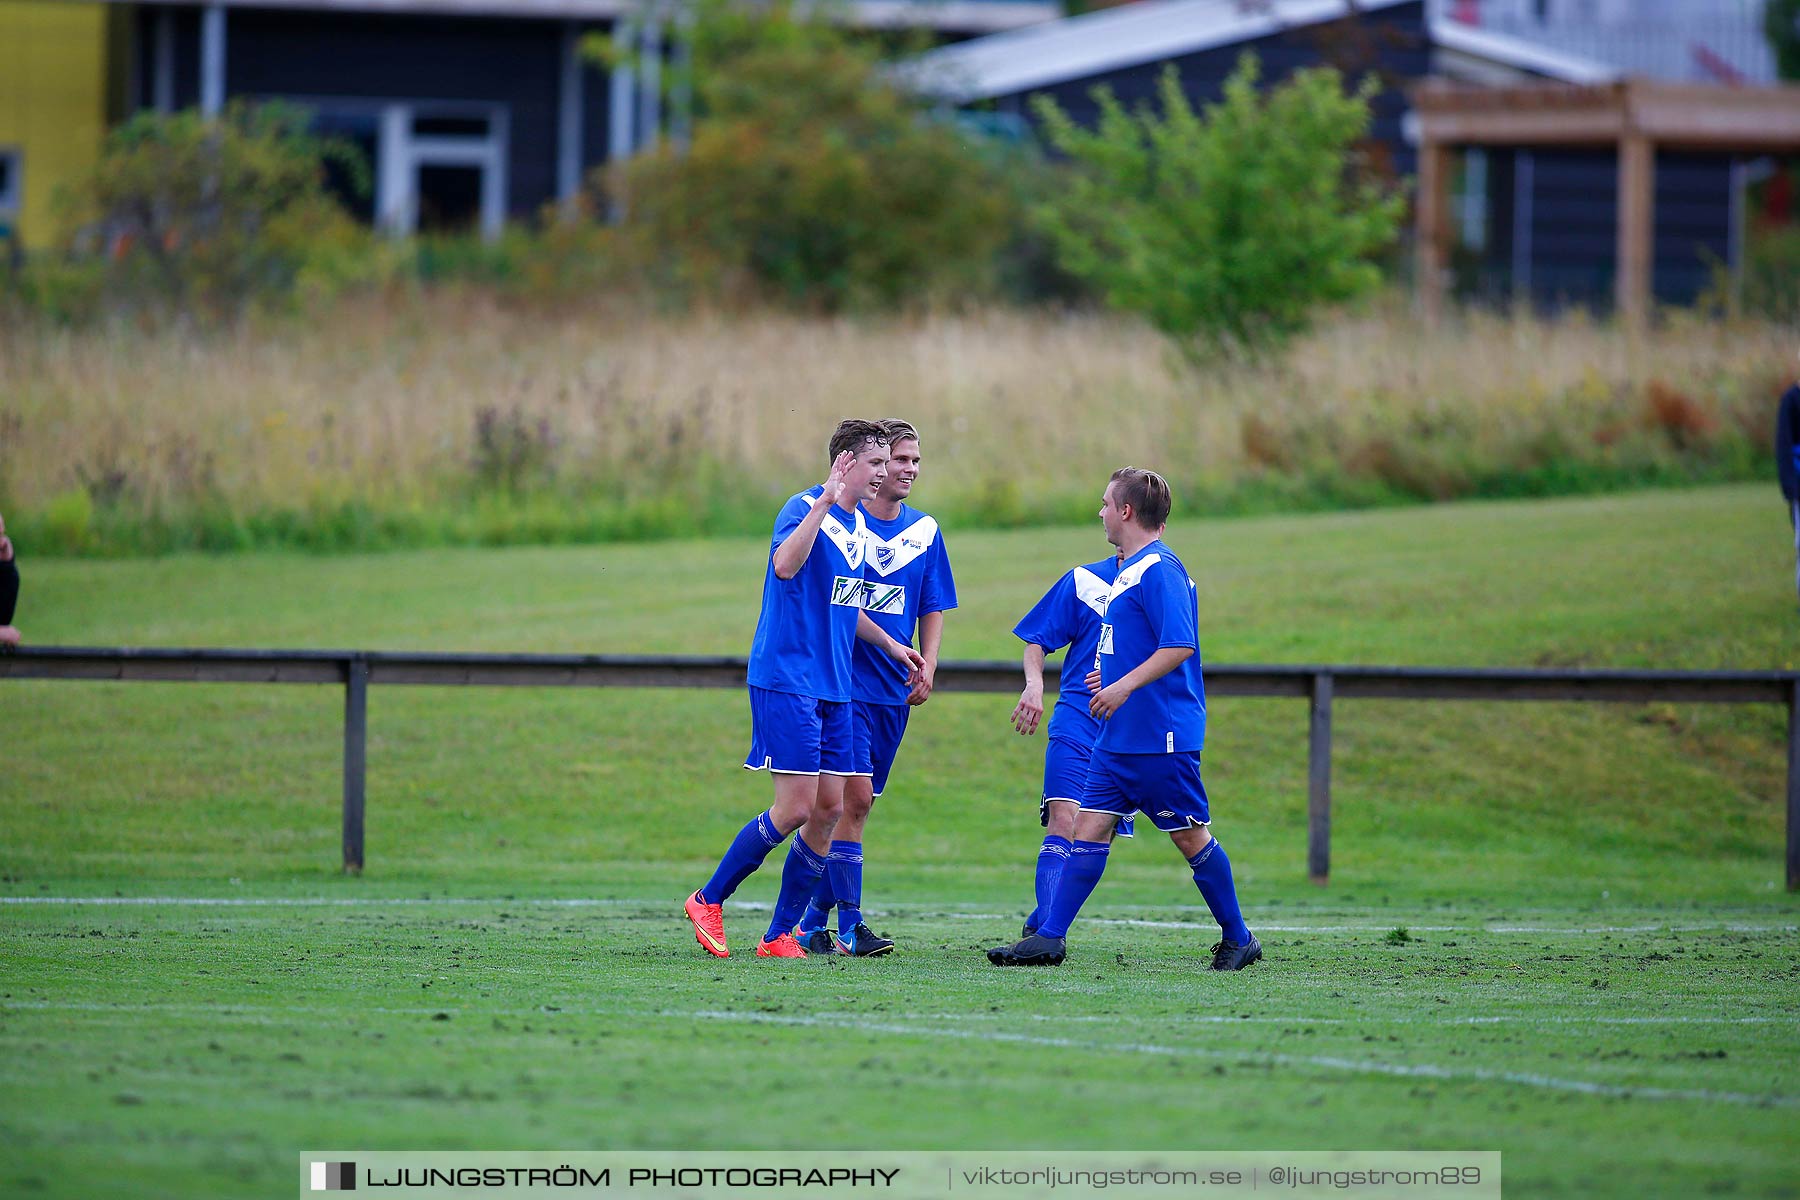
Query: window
{"x": 437, "y": 165}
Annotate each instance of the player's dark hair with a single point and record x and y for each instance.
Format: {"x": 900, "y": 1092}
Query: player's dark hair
{"x": 1146, "y": 492}
{"x": 898, "y": 431}
{"x": 853, "y": 435}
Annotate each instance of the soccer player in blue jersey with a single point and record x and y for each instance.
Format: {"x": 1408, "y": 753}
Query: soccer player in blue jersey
{"x": 1151, "y": 701}
{"x": 1070, "y": 614}
{"x": 907, "y": 585}
{"x": 800, "y": 687}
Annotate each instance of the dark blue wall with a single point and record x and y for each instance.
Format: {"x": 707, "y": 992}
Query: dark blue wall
{"x": 1693, "y": 223}
{"x": 1574, "y": 225}
{"x": 1574, "y": 211}
{"x": 272, "y": 52}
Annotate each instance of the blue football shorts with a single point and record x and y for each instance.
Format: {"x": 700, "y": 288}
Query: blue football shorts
{"x": 800, "y": 735}
{"x": 1164, "y": 787}
{"x": 879, "y": 729}
{"x": 1065, "y": 778}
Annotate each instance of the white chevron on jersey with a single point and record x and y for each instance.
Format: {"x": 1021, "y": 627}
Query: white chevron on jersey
{"x": 1131, "y": 576}
{"x": 851, "y": 541}
{"x": 888, "y": 556}
{"x": 1091, "y": 590}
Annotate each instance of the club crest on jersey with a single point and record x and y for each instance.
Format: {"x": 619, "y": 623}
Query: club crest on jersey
{"x": 887, "y": 598}
{"x": 848, "y": 541}
{"x": 884, "y": 556}
{"x": 847, "y": 590}
{"x": 1105, "y": 640}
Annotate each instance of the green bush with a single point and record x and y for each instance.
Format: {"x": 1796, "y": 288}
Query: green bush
{"x": 811, "y": 178}
{"x": 1769, "y": 285}
{"x": 1228, "y": 227}
{"x": 205, "y": 216}
{"x": 1781, "y": 25}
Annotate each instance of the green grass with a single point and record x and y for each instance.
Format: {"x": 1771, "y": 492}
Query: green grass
{"x": 1599, "y": 975}
{"x": 196, "y": 1048}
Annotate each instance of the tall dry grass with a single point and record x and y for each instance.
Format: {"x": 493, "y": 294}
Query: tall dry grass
{"x": 429, "y": 401}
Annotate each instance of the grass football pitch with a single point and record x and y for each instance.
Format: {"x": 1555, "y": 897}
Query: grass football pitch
{"x": 1557, "y": 931}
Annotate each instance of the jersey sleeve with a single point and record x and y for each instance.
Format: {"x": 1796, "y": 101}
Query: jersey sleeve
{"x": 1169, "y": 607}
{"x": 788, "y": 520}
{"x": 1050, "y": 623}
{"x": 938, "y": 591}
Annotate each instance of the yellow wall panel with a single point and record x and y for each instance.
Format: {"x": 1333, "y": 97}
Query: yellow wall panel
{"x": 53, "y": 89}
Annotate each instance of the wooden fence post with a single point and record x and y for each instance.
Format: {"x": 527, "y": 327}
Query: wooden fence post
{"x": 1318, "y": 782}
{"x": 1793, "y": 788}
{"x": 356, "y": 739}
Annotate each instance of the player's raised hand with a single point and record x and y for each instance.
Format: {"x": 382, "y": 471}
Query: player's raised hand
{"x": 1029, "y": 710}
{"x": 834, "y": 482}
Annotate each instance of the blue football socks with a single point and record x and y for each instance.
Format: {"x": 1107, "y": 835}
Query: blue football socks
{"x": 746, "y": 853}
{"x": 1049, "y": 869}
{"x": 799, "y": 875}
{"x": 1087, "y": 862}
{"x": 843, "y": 872}
{"x": 1212, "y": 875}
{"x": 818, "y": 909}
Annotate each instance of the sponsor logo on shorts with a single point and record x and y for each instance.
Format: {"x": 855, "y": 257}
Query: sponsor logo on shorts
{"x": 884, "y": 598}
{"x": 1165, "y": 814}
{"x": 847, "y": 591}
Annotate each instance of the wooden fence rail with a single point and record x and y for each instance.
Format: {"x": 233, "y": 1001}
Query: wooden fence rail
{"x": 1320, "y": 686}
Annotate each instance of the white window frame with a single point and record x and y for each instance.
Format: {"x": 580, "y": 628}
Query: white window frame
{"x": 399, "y": 153}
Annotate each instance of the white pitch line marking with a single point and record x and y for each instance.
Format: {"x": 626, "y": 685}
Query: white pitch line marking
{"x": 1325, "y": 1062}
{"x": 1202, "y": 920}
{"x": 228, "y": 1009}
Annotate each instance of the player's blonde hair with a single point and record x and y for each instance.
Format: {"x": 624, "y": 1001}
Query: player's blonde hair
{"x": 898, "y": 431}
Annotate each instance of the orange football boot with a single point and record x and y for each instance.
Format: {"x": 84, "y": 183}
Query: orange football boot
{"x": 783, "y": 946}
{"x": 709, "y": 925}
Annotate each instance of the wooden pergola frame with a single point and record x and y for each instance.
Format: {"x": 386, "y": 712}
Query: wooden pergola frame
{"x": 1638, "y": 116}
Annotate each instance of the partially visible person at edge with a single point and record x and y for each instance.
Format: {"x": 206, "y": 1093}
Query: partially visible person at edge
{"x": 907, "y": 588}
{"x": 9, "y": 590}
{"x": 1787, "y": 464}
{"x": 799, "y": 681}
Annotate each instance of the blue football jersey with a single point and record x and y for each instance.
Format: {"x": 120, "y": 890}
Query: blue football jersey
{"x": 906, "y": 574}
{"x": 1070, "y": 615}
{"x": 1153, "y": 604}
{"x": 808, "y": 623}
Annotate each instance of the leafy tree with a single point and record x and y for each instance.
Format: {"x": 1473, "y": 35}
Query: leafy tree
{"x": 1781, "y": 25}
{"x": 205, "y": 215}
{"x": 1229, "y": 226}
{"x": 811, "y": 177}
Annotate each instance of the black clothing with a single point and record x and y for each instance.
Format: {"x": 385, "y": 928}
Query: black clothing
{"x": 1787, "y": 442}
